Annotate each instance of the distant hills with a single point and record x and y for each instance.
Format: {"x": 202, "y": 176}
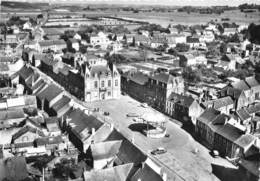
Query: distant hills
{"x": 23, "y": 5}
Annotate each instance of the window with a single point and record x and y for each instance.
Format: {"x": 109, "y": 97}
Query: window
{"x": 95, "y": 84}
{"x": 102, "y": 83}
{"x": 109, "y": 83}
{"x": 109, "y": 93}
{"x": 116, "y": 82}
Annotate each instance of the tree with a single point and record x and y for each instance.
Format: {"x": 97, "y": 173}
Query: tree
{"x": 115, "y": 38}
{"x": 192, "y": 76}
{"x": 64, "y": 169}
{"x": 83, "y": 49}
{"x": 223, "y": 48}
{"x": 39, "y": 16}
{"x": 234, "y": 38}
{"x": 133, "y": 43}
{"x": 254, "y": 33}
{"x": 172, "y": 51}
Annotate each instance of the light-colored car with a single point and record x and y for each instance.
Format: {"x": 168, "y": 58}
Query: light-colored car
{"x": 215, "y": 153}
{"x": 137, "y": 119}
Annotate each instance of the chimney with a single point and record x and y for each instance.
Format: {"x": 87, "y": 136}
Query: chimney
{"x": 226, "y": 120}
{"x": 111, "y": 126}
{"x": 93, "y": 131}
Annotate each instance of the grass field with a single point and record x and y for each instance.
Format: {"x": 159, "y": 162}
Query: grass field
{"x": 164, "y": 19}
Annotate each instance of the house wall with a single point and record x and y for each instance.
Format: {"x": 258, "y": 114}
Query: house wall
{"x": 195, "y": 110}
{"x": 242, "y": 101}
{"x": 94, "y": 90}
{"x": 100, "y": 164}
{"x": 223, "y": 145}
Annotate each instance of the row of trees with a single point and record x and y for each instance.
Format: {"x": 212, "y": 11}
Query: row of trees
{"x": 153, "y": 27}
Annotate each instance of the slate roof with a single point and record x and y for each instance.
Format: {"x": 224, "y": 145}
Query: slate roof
{"x": 245, "y": 140}
{"x": 24, "y": 130}
{"x": 25, "y": 72}
{"x": 117, "y": 173}
{"x": 161, "y": 77}
{"x": 50, "y": 92}
{"x": 183, "y": 100}
{"x": 82, "y": 124}
{"x": 39, "y": 84}
{"x": 243, "y": 114}
{"x": 221, "y": 102}
{"x": 105, "y": 150}
{"x": 241, "y": 85}
{"x": 234, "y": 93}
{"x": 100, "y": 70}
{"x": 32, "y": 79}
{"x": 61, "y": 103}
{"x": 138, "y": 78}
{"x": 208, "y": 115}
{"x": 230, "y": 132}
{"x": 251, "y": 81}
{"x": 146, "y": 174}
{"x": 11, "y": 114}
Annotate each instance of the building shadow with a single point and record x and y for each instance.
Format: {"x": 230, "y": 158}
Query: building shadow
{"x": 227, "y": 174}
{"x": 140, "y": 127}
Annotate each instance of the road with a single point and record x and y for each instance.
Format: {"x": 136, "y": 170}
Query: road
{"x": 181, "y": 156}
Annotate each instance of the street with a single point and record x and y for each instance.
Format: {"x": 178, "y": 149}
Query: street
{"x": 196, "y": 165}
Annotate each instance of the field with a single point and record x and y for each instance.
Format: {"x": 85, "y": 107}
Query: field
{"x": 162, "y": 18}
{"x": 165, "y": 19}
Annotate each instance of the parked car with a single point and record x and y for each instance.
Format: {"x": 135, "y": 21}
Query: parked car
{"x": 215, "y": 153}
{"x": 106, "y": 113}
{"x": 167, "y": 135}
{"x": 138, "y": 120}
{"x": 145, "y": 105}
{"x": 158, "y": 151}
{"x": 132, "y": 115}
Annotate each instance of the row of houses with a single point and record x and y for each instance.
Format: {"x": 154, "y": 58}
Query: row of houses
{"x": 154, "y": 89}
{"x": 95, "y": 78}
{"x": 106, "y": 149}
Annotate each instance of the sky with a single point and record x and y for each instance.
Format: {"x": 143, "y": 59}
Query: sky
{"x": 155, "y": 2}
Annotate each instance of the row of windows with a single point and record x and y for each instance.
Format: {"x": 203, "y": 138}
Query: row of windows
{"x": 103, "y": 83}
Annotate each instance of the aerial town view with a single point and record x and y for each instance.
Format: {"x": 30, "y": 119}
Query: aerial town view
{"x": 137, "y": 90}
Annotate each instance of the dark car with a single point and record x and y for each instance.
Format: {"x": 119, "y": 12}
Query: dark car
{"x": 167, "y": 135}
{"x": 132, "y": 115}
{"x": 158, "y": 151}
{"x": 106, "y": 113}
